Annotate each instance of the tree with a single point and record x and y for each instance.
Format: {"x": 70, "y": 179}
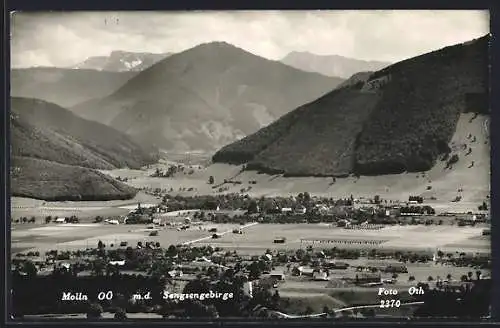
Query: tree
{"x": 98, "y": 267}
{"x": 48, "y": 219}
{"x": 411, "y": 278}
{"x": 370, "y": 313}
{"x": 478, "y": 274}
{"x": 211, "y": 180}
{"x": 100, "y": 244}
{"x": 326, "y": 309}
{"x": 463, "y": 278}
{"x": 30, "y": 269}
{"x": 309, "y": 310}
{"x": 254, "y": 271}
{"x": 469, "y": 275}
{"x": 253, "y": 207}
{"x": 120, "y": 314}
{"x": 430, "y": 278}
{"x": 448, "y": 277}
{"x": 171, "y": 251}
{"x": 94, "y": 311}
{"x": 211, "y": 311}
{"x": 129, "y": 253}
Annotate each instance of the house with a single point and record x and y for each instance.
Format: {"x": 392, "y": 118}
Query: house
{"x": 61, "y": 220}
{"x": 286, "y": 210}
{"x": 320, "y": 276}
{"x": 363, "y": 278}
{"x": 336, "y": 265}
{"x": 65, "y": 265}
{"x": 300, "y": 209}
{"x": 175, "y": 273}
{"x": 248, "y": 289}
{"x": 322, "y": 209}
{"x": 279, "y": 240}
{"x": 277, "y": 275}
{"x": 302, "y": 271}
{"x": 398, "y": 268}
{"x": 118, "y": 263}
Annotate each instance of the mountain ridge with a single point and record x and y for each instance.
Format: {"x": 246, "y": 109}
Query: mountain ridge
{"x": 205, "y": 97}
{"x": 331, "y": 65}
{"x": 55, "y": 154}
{"x": 64, "y": 86}
{"x": 373, "y": 125}
{"x": 121, "y": 61}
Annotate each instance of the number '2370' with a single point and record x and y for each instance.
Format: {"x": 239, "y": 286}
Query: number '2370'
{"x": 389, "y": 303}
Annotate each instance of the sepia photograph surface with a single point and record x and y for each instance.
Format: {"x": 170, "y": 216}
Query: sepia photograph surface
{"x": 250, "y": 164}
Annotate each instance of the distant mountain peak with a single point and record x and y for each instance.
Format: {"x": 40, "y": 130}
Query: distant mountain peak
{"x": 205, "y": 97}
{"x": 121, "y": 61}
{"x": 331, "y": 65}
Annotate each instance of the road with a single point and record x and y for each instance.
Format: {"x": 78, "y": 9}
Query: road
{"x": 220, "y": 234}
{"x": 289, "y": 316}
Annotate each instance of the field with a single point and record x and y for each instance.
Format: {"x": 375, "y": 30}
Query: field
{"x": 256, "y": 238}
{"x": 447, "y": 238}
{"x": 85, "y": 211}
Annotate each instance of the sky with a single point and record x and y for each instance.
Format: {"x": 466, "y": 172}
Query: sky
{"x": 64, "y": 39}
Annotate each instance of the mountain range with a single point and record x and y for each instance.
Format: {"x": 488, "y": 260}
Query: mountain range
{"x": 331, "y": 65}
{"x": 55, "y": 153}
{"x": 398, "y": 119}
{"x": 121, "y": 61}
{"x": 205, "y": 97}
{"x": 63, "y": 86}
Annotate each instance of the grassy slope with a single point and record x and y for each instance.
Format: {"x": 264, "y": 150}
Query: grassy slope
{"x": 401, "y": 126}
{"x": 65, "y": 87}
{"x": 419, "y": 109}
{"x": 46, "y": 131}
{"x": 55, "y": 153}
{"x": 205, "y": 97}
{"x": 41, "y": 179}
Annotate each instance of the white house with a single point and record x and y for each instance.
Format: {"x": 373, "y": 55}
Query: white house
{"x": 286, "y": 210}
{"x": 300, "y": 209}
{"x": 118, "y": 263}
{"x": 320, "y": 276}
{"x": 277, "y": 275}
{"x": 61, "y": 220}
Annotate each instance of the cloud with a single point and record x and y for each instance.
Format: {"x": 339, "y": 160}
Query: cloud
{"x": 64, "y": 39}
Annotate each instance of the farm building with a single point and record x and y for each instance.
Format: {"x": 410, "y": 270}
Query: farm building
{"x": 300, "y": 209}
{"x": 277, "y": 275}
{"x": 175, "y": 273}
{"x": 363, "y": 278}
{"x": 320, "y": 276}
{"x": 302, "y": 271}
{"x": 279, "y": 240}
{"x": 118, "y": 263}
{"x": 336, "y": 265}
{"x": 399, "y": 268}
{"x": 61, "y": 220}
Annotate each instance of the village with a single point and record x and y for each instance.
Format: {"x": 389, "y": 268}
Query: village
{"x": 330, "y": 254}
